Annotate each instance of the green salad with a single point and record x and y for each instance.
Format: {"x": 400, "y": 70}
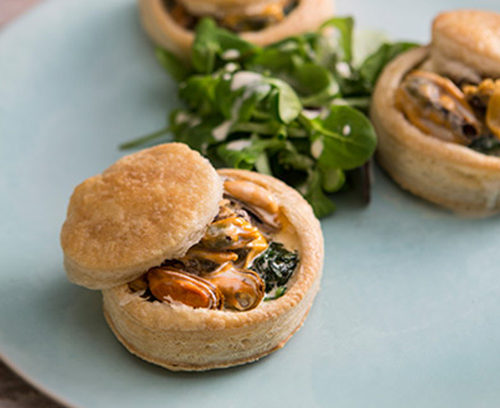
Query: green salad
{"x": 295, "y": 109}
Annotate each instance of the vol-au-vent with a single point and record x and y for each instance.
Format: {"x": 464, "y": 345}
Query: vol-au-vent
{"x": 199, "y": 269}
{"x": 171, "y": 23}
{"x": 436, "y": 110}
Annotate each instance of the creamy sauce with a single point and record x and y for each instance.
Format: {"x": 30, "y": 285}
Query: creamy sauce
{"x": 222, "y": 270}
{"x": 311, "y": 113}
{"x": 244, "y": 78}
{"x": 288, "y": 236}
{"x": 317, "y": 148}
{"x": 238, "y": 145}
{"x": 231, "y": 67}
{"x": 220, "y": 132}
{"x": 230, "y": 54}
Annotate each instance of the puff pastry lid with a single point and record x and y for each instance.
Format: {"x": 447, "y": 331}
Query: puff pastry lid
{"x": 147, "y": 207}
{"x": 471, "y": 37}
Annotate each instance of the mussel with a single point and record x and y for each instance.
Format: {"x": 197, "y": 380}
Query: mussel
{"x": 171, "y": 285}
{"x": 436, "y": 106}
{"x": 235, "y": 233}
{"x": 242, "y": 289}
{"x": 229, "y": 234}
{"x": 256, "y": 198}
{"x": 217, "y": 257}
{"x": 493, "y": 112}
{"x": 478, "y": 96}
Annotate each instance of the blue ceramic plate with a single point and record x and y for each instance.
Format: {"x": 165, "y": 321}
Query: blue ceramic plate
{"x": 408, "y": 314}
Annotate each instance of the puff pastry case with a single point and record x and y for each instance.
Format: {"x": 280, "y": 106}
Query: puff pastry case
{"x": 436, "y": 110}
{"x": 198, "y": 268}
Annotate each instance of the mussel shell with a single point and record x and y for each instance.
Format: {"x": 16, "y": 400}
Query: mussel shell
{"x": 242, "y": 289}
{"x": 436, "y": 106}
{"x": 171, "y": 285}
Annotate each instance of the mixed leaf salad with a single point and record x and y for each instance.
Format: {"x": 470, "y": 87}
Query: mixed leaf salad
{"x": 295, "y": 109}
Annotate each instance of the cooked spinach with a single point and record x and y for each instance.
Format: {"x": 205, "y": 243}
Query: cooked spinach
{"x": 280, "y": 291}
{"x": 487, "y": 145}
{"x": 275, "y": 265}
{"x": 294, "y": 109}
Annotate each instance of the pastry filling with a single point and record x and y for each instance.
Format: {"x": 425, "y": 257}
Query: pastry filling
{"x": 466, "y": 114}
{"x": 240, "y": 21}
{"x": 238, "y": 262}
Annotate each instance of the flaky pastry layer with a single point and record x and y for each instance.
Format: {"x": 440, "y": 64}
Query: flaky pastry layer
{"x": 466, "y": 44}
{"x": 148, "y": 206}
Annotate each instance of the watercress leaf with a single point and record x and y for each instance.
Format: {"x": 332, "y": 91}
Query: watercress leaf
{"x": 332, "y": 179}
{"x": 365, "y": 43}
{"x": 173, "y": 65}
{"x": 344, "y": 25}
{"x": 290, "y": 158}
{"x": 286, "y": 102}
{"x": 198, "y": 92}
{"x": 320, "y": 203}
{"x": 205, "y": 46}
{"x": 244, "y": 153}
{"x": 200, "y": 136}
{"x": 348, "y": 137}
{"x": 230, "y": 41}
{"x": 247, "y": 103}
{"x": 262, "y": 164}
{"x": 323, "y": 97}
{"x": 212, "y": 42}
{"x": 271, "y": 59}
{"x": 372, "y": 66}
{"x": 179, "y": 119}
{"x": 359, "y": 102}
{"x": 225, "y": 97}
{"x": 350, "y": 81}
{"x": 312, "y": 78}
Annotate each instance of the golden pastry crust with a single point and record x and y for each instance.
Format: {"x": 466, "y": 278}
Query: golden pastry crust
{"x": 447, "y": 174}
{"x": 466, "y": 44}
{"x": 182, "y": 338}
{"x": 161, "y": 27}
{"x": 147, "y": 207}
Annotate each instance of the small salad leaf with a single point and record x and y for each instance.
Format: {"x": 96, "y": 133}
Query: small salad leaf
{"x": 205, "y": 46}
{"x": 320, "y": 203}
{"x": 244, "y": 154}
{"x": 372, "y": 67}
{"x": 286, "y": 102}
{"x": 332, "y": 179}
{"x": 198, "y": 92}
{"x": 344, "y": 25}
{"x": 312, "y": 78}
{"x": 198, "y": 135}
{"x": 212, "y": 42}
{"x": 348, "y": 137}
